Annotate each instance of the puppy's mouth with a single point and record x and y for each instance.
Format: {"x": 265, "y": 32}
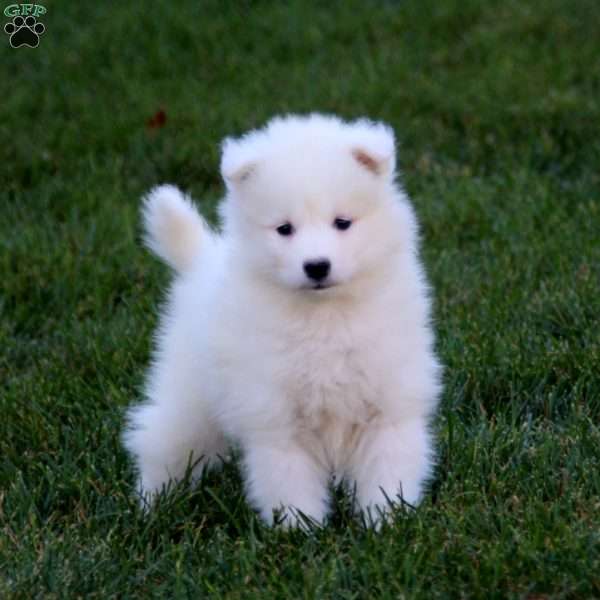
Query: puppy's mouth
{"x": 322, "y": 286}
{"x": 318, "y": 286}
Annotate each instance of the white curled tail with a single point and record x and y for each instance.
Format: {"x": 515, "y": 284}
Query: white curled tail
{"x": 175, "y": 231}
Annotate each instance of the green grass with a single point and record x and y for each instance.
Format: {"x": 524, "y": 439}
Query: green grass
{"x": 497, "y": 108}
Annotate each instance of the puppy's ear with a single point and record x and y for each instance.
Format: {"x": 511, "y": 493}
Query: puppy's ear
{"x": 373, "y": 147}
{"x": 238, "y": 160}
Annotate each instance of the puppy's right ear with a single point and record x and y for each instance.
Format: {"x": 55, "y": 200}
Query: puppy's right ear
{"x": 238, "y": 161}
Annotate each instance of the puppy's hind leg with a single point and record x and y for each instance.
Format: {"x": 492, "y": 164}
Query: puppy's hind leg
{"x": 173, "y": 430}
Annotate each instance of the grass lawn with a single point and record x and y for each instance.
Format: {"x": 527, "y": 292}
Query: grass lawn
{"x": 497, "y": 109}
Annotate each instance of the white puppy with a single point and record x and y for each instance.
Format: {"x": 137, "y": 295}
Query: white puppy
{"x": 300, "y": 331}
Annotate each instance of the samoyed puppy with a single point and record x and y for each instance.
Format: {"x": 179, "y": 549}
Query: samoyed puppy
{"x": 299, "y": 332}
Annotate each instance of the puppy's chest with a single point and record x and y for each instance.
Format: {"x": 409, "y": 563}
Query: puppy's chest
{"x": 331, "y": 379}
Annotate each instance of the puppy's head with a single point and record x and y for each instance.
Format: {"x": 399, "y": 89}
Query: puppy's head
{"x": 311, "y": 201}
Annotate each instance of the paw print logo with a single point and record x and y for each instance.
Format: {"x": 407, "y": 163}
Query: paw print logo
{"x": 24, "y": 32}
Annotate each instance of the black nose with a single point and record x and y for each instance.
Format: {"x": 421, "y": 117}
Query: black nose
{"x": 317, "y": 269}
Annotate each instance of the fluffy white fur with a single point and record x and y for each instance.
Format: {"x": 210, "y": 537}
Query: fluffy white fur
{"x": 310, "y": 383}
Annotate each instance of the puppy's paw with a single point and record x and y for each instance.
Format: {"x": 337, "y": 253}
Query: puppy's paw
{"x": 147, "y": 497}
{"x": 292, "y": 518}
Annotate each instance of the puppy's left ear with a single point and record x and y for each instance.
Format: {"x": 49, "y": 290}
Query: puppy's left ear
{"x": 238, "y": 160}
{"x": 374, "y": 148}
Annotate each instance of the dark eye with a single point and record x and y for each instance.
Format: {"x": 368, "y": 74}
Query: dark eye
{"x": 285, "y": 229}
{"x": 342, "y": 224}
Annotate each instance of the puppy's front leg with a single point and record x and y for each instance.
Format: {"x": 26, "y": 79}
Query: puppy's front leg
{"x": 391, "y": 461}
{"x": 282, "y": 476}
